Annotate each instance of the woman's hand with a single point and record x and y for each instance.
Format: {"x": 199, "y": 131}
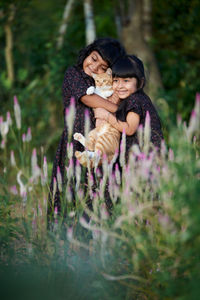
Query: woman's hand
{"x": 114, "y": 98}
{"x": 101, "y": 113}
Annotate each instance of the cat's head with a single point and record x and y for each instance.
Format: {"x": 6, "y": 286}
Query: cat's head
{"x": 104, "y": 79}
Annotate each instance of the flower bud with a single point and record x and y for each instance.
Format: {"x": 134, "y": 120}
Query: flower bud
{"x": 45, "y": 170}
{"x": 17, "y": 112}
{"x": 8, "y": 119}
{"x": 12, "y": 158}
{"x": 28, "y": 136}
{"x": 23, "y": 137}
{"x": 70, "y": 116}
{"x": 59, "y": 179}
{"x": 87, "y": 123}
{"x": 54, "y": 187}
{"x": 147, "y": 133}
{"x": 122, "y": 149}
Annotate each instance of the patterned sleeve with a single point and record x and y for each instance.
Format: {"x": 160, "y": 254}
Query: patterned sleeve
{"x": 74, "y": 84}
{"x": 134, "y": 105}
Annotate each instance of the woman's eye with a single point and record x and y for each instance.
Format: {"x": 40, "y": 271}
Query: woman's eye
{"x": 94, "y": 58}
{"x": 114, "y": 80}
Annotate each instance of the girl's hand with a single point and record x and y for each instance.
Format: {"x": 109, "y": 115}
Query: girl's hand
{"x": 114, "y": 98}
{"x": 101, "y": 113}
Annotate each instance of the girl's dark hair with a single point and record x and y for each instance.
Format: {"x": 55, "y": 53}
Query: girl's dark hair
{"x": 109, "y": 49}
{"x": 130, "y": 66}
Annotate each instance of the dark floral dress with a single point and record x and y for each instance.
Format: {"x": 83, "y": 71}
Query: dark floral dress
{"x": 75, "y": 84}
{"x": 140, "y": 103}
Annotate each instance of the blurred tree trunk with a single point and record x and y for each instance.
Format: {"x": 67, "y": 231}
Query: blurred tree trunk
{"x": 64, "y": 24}
{"x": 136, "y": 33}
{"x": 9, "y": 43}
{"x": 90, "y": 30}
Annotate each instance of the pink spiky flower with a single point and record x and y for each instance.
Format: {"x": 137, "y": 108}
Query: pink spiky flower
{"x": 12, "y": 158}
{"x": 3, "y": 144}
{"x": 69, "y": 150}
{"x": 8, "y": 118}
{"x": 23, "y": 137}
{"x": 28, "y": 135}
{"x": 193, "y": 124}
{"x": 54, "y": 187}
{"x": 117, "y": 174}
{"x": 87, "y": 123}
{"x": 122, "y": 149}
{"x": 55, "y": 210}
{"x": 4, "y": 128}
{"x": 34, "y": 158}
{"x": 147, "y": 132}
{"x": 140, "y": 134}
{"x": 17, "y": 112}
{"x": 59, "y": 179}
{"x": 45, "y": 169}
{"x": 70, "y": 116}
{"x": 198, "y": 98}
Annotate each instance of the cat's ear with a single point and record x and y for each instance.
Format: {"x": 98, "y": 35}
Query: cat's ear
{"x": 94, "y": 75}
{"x": 109, "y": 71}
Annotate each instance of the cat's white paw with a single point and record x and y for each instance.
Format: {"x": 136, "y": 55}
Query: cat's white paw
{"x": 90, "y": 90}
{"x": 80, "y": 138}
{"x": 77, "y": 136}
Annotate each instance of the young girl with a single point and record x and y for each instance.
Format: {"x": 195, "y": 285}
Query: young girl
{"x": 128, "y": 84}
{"x": 95, "y": 58}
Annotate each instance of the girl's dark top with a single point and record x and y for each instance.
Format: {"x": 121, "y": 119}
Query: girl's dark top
{"x": 75, "y": 84}
{"x": 140, "y": 103}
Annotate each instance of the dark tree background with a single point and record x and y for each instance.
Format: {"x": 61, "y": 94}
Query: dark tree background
{"x": 29, "y": 31}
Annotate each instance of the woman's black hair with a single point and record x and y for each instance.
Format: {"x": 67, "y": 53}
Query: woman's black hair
{"x": 130, "y": 66}
{"x": 109, "y": 49}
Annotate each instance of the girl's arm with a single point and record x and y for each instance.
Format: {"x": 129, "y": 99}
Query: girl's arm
{"x": 95, "y": 101}
{"x": 130, "y": 126}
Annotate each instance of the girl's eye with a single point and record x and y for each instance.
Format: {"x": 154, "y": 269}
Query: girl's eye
{"x": 94, "y": 58}
{"x": 104, "y": 69}
{"x": 114, "y": 80}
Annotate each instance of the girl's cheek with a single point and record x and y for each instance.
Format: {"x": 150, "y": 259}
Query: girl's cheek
{"x": 114, "y": 86}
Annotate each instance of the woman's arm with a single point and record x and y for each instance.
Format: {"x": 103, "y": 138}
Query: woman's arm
{"x": 130, "y": 126}
{"x": 95, "y": 101}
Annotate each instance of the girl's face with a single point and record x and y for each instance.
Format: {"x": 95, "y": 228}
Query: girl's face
{"x": 124, "y": 87}
{"x": 94, "y": 64}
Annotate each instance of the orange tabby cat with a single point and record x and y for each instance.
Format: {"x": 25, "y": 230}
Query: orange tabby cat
{"x": 104, "y": 139}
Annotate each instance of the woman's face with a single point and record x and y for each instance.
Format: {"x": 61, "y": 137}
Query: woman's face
{"x": 94, "y": 64}
{"x": 124, "y": 87}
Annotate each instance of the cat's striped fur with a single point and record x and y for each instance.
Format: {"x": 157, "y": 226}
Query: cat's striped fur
{"x": 104, "y": 139}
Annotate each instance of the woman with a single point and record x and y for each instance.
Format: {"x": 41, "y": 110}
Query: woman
{"x": 95, "y": 58}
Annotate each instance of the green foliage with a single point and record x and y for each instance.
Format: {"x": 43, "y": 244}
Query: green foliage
{"x": 176, "y": 39}
{"x": 104, "y": 15}
{"x": 147, "y": 248}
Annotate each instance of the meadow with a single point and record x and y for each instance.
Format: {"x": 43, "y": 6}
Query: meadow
{"x": 147, "y": 247}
